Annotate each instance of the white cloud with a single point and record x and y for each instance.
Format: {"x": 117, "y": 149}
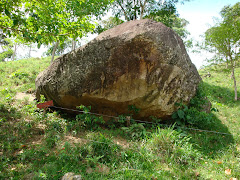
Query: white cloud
{"x": 198, "y": 24}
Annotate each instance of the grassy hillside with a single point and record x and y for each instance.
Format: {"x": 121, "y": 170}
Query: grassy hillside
{"x": 220, "y": 91}
{"x": 38, "y": 145}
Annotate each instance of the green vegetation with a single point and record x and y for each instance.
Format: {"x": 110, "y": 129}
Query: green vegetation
{"x": 44, "y": 22}
{"x": 63, "y": 22}
{"x": 6, "y": 46}
{"x": 39, "y": 145}
{"x": 49, "y": 22}
{"x": 223, "y": 39}
{"x": 131, "y": 9}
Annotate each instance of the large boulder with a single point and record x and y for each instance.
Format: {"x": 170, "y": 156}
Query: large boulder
{"x": 141, "y": 63}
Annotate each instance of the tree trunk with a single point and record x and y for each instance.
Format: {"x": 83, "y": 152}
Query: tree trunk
{"x": 30, "y": 49}
{"x": 14, "y": 53}
{"x": 54, "y": 50}
{"x": 73, "y": 45}
{"x": 142, "y": 9}
{"x": 235, "y": 85}
{"x": 234, "y": 80}
{"x": 125, "y": 14}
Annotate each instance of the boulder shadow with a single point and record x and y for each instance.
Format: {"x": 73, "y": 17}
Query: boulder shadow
{"x": 222, "y": 95}
{"x": 211, "y": 143}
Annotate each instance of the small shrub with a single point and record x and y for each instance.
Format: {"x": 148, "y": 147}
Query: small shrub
{"x": 192, "y": 116}
{"x": 88, "y": 120}
{"x": 133, "y": 109}
{"x": 193, "y": 113}
{"x": 200, "y": 99}
{"x": 135, "y": 131}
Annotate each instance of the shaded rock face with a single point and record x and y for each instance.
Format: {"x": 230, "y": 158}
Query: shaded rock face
{"x": 141, "y": 63}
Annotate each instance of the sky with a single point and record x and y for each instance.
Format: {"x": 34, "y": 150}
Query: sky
{"x": 200, "y": 15}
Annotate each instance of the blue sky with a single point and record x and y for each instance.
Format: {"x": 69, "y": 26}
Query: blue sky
{"x": 200, "y": 15}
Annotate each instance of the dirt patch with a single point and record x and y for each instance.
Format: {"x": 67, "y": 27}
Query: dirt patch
{"x": 74, "y": 140}
{"x": 77, "y": 140}
{"x": 22, "y": 96}
{"x": 121, "y": 142}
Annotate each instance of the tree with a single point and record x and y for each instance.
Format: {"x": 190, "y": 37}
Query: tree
{"x": 108, "y": 24}
{"x": 62, "y": 47}
{"x": 167, "y": 15}
{"x": 162, "y": 11}
{"x": 6, "y": 53}
{"x": 6, "y": 47}
{"x": 138, "y": 9}
{"x": 224, "y": 38}
{"x": 172, "y": 21}
{"x": 49, "y": 21}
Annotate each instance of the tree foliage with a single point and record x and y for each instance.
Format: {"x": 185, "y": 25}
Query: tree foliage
{"x": 62, "y": 48}
{"x": 173, "y": 21}
{"x": 138, "y": 9}
{"x": 162, "y": 11}
{"x": 224, "y": 37}
{"x": 47, "y": 21}
{"x": 6, "y": 47}
{"x": 6, "y": 54}
{"x": 108, "y": 24}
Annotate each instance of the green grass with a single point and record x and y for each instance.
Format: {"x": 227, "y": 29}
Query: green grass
{"x": 20, "y": 75}
{"x": 48, "y": 145}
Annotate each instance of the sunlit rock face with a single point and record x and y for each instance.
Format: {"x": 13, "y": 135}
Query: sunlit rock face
{"x": 141, "y": 63}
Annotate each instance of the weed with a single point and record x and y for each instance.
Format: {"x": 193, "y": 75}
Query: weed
{"x": 133, "y": 109}
{"x": 200, "y": 98}
{"x": 87, "y": 120}
{"x": 135, "y": 131}
{"x": 185, "y": 115}
{"x": 194, "y": 114}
